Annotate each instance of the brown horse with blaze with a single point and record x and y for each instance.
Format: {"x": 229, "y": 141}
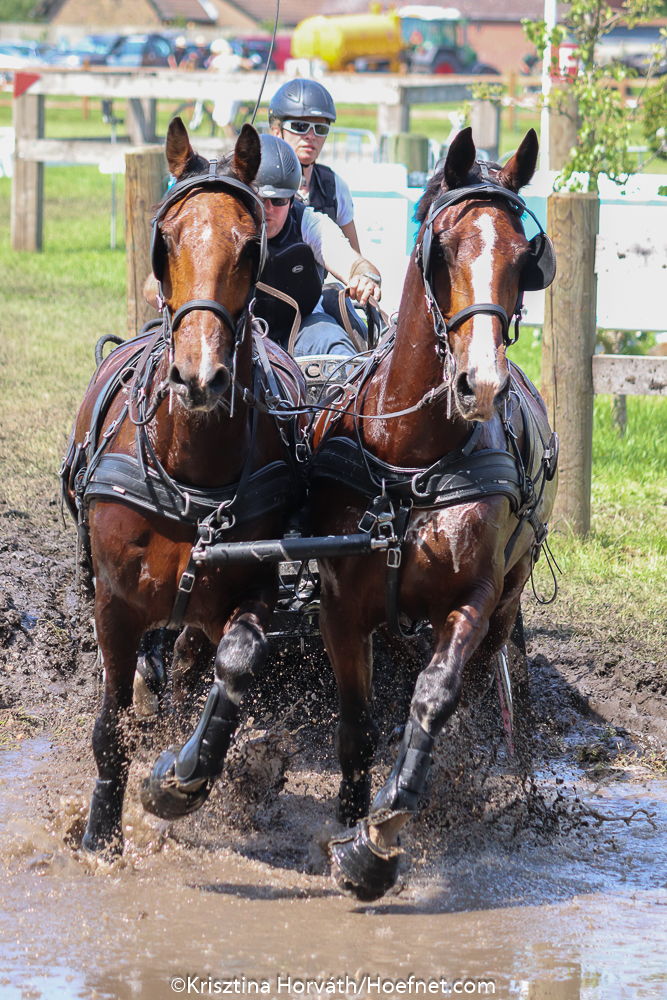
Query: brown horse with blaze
{"x": 165, "y": 439}
{"x": 450, "y": 444}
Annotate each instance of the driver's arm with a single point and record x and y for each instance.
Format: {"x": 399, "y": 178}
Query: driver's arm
{"x": 333, "y": 250}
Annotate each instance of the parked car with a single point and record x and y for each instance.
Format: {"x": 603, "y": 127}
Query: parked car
{"x": 22, "y": 53}
{"x": 91, "y": 51}
{"x": 141, "y": 50}
{"x": 256, "y": 48}
{"x": 633, "y": 47}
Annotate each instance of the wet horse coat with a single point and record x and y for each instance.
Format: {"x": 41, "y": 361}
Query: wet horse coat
{"x": 210, "y": 245}
{"x": 461, "y": 567}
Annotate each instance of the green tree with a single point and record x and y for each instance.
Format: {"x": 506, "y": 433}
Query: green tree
{"x": 604, "y": 119}
{"x": 16, "y": 10}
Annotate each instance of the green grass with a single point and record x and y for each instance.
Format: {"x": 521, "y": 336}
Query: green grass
{"x": 615, "y": 582}
{"x": 54, "y": 306}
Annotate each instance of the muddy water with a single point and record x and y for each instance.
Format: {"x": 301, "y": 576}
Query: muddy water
{"x": 586, "y": 920}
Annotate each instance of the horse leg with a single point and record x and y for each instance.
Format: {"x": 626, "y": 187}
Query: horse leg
{"x": 118, "y": 635}
{"x": 183, "y": 776}
{"x": 193, "y": 656}
{"x": 351, "y": 655}
{"x": 365, "y": 861}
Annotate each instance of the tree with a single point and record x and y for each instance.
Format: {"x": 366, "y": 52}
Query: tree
{"x": 16, "y": 10}
{"x": 604, "y": 118}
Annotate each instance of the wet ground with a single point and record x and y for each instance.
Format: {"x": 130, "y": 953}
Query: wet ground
{"x": 549, "y": 884}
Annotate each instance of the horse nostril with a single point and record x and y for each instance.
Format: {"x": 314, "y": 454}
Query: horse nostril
{"x": 175, "y": 377}
{"x": 465, "y": 384}
{"x": 220, "y": 381}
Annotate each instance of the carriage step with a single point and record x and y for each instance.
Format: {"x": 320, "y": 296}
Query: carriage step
{"x": 289, "y": 548}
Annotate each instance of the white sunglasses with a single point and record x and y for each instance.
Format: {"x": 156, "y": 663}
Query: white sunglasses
{"x": 299, "y": 127}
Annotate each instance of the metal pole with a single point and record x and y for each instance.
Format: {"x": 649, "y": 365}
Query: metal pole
{"x": 113, "y": 194}
{"x": 550, "y": 14}
{"x": 290, "y": 549}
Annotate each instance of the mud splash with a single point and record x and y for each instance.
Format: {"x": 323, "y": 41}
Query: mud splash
{"x": 578, "y": 920}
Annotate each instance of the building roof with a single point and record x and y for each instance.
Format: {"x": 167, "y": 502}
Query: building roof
{"x": 291, "y": 11}
{"x": 472, "y": 10}
{"x": 190, "y": 10}
{"x": 199, "y": 11}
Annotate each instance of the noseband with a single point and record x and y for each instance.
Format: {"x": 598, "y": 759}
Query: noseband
{"x": 200, "y": 182}
{"x": 538, "y": 271}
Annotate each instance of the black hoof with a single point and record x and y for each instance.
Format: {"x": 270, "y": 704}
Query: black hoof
{"x": 361, "y": 868}
{"x": 104, "y": 831}
{"x": 354, "y": 799}
{"x": 162, "y": 794}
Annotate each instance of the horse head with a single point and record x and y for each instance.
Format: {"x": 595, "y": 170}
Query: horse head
{"x": 206, "y": 253}
{"x": 477, "y": 254}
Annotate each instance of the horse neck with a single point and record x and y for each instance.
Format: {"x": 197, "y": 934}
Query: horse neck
{"x": 415, "y": 368}
{"x": 205, "y": 449}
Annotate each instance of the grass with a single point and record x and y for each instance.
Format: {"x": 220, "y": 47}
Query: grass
{"x": 56, "y": 304}
{"x": 614, "y": 583}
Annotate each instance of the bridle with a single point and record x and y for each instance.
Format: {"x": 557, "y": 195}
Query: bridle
{"x": 539, "y": 269}
{"x": 211, "y": 181}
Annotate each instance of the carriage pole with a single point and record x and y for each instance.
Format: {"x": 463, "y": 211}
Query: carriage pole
{"x": 568, "y": 346}
{"x": 145, "y": 183}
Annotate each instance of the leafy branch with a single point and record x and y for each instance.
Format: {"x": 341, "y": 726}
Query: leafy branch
{"x": 604, "y": 120}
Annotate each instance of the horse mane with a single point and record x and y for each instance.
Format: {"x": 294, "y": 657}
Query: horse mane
{"x": 436, "y": 186}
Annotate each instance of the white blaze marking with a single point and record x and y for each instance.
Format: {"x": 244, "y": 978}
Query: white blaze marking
{"x": 481, "y": 351}
{"x": 205, "y": 366}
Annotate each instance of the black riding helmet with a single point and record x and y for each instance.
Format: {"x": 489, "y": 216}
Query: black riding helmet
{"x": 279, "y": 173}
{"x": 302, "y": 99}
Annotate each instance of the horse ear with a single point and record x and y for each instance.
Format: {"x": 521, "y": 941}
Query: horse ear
{"x": 518, "y": 171}
{"x": 178, "y": 149}
{"x": 460, "y": 159}
{"x": 247, "y": 154}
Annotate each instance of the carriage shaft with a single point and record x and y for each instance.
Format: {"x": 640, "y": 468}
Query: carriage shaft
{"x": 289, "y": 549}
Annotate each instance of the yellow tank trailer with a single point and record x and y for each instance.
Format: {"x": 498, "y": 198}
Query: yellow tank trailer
{"x": 339, "y": 41}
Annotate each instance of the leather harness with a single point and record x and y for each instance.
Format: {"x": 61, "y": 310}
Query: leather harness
{"x": 463, "y": 475}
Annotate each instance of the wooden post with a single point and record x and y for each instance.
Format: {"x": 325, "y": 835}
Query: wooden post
{"x": 568, "y": 345}
{"x": 28, "y": 180}
{"x": 563, "y": 129}
{"x": 141, "y": 120}
{"x": 145, "y": 183}
{"x": 394, "y": 117}
{"x": 485, "y": 122}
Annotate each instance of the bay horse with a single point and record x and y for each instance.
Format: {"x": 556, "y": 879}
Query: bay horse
{"x": 172, "y": 446}
{"x": 443, "y": 447}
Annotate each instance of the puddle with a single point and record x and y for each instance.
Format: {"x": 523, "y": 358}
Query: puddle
{"x": 584, "y": 920}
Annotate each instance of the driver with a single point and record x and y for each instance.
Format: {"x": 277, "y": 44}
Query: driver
{"x": 302, "y": 112}
{"x": 302, "y": 244}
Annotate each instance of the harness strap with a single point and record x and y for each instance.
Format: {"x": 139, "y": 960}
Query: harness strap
{"x": 349, "y": 330}
{"x": 290, "y": 302}
{"x": 394, "y": 555}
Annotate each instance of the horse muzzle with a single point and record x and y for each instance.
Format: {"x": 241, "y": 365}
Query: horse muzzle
{"x": 195, "y": 393}
{"x": 478, "y": 399}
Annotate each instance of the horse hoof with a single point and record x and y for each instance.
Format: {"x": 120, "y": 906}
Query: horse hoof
{"x": 101, "y": 847}
{"x": 361, "y": 868}
{"x": 163, "y": 795}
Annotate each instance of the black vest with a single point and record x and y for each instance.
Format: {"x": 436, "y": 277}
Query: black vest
{"x": 322, "y": 194}
{"x": 290, "y": 268}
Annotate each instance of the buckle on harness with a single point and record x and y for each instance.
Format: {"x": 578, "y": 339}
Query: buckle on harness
{"x": 394, "y": 557}
{"x": 187, "y": 582}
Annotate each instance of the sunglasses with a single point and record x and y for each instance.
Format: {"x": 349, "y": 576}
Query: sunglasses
{"x": 277, "y": 202}
{"x": 303, "y": 128}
